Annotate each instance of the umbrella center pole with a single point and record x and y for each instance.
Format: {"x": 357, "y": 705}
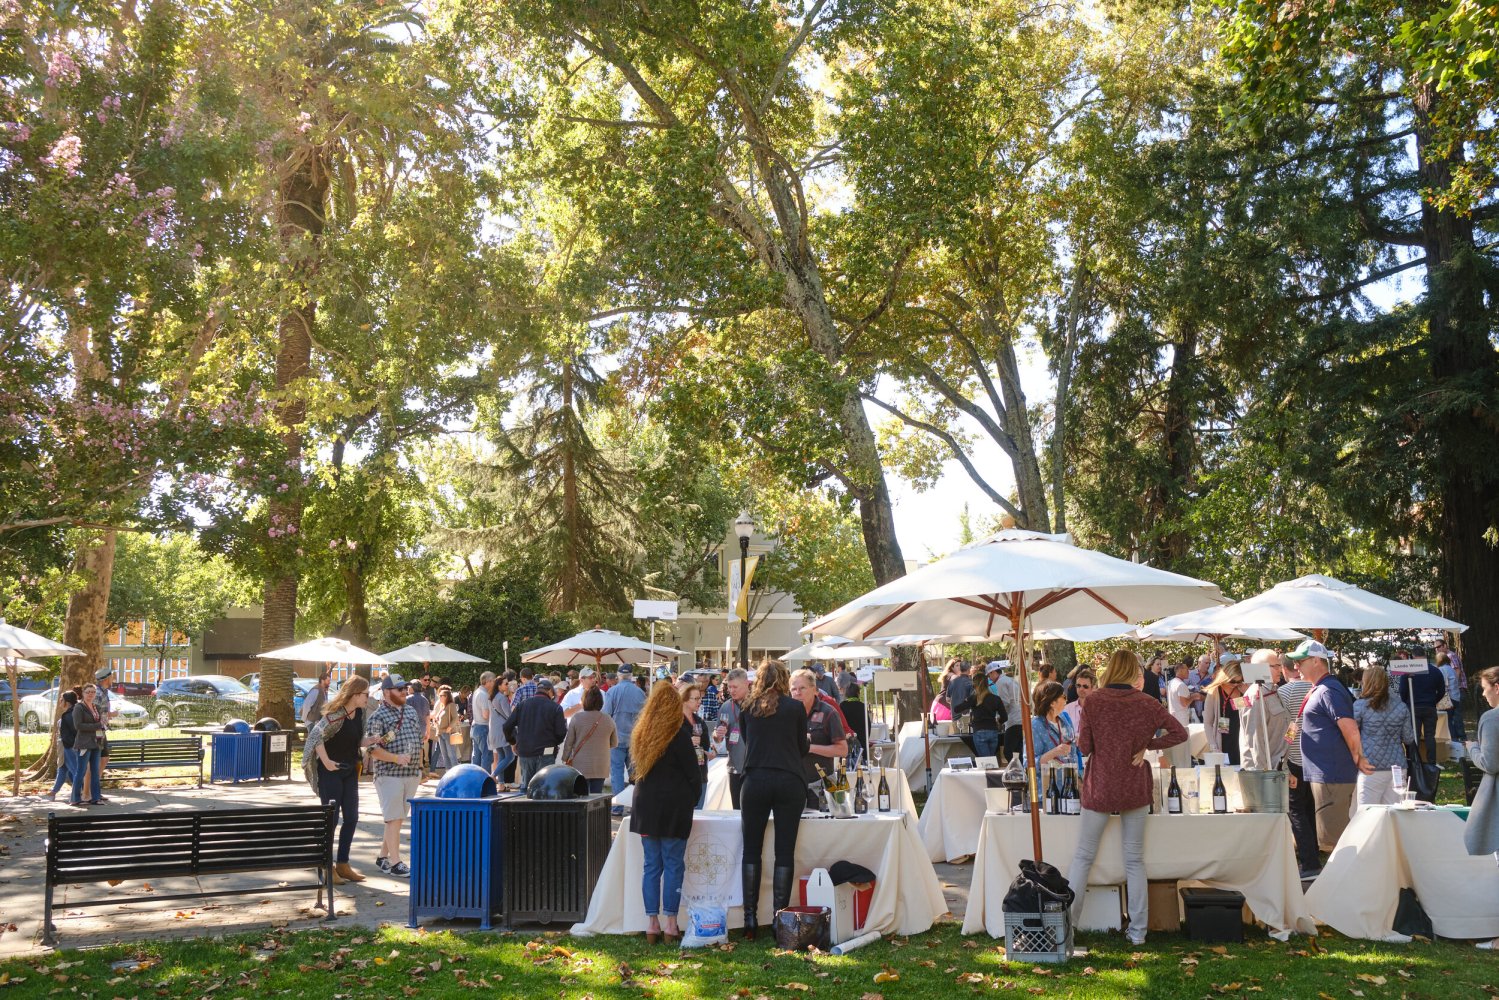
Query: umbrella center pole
{"x": 1032, "y": 771}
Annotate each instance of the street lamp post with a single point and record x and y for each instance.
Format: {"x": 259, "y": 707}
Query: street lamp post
{"x": 744, "y": 527}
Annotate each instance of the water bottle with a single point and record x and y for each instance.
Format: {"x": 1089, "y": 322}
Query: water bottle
{"x": 1397, "y": 777}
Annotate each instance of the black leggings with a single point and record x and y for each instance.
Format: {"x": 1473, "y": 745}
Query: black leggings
{"x": 342, "y": 789}
{"x": 766, "y": 791}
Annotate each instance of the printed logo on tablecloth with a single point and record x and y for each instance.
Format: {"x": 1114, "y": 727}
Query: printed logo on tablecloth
{"x": 712, "y": 867}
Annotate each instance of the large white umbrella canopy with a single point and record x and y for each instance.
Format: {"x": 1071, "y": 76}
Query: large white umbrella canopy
{"x": 17, "y": 643}
{"x": 24, "y": 666}
{"x": 1015, "y": 582}
{"x": 922, "y": 639}
{"x": 601, "y": 646}
{"x": 1314, "y": 602}
{"x": 328, "y": 649}
{"x": 857, "y": 652}
{"x": 1050, "y": 582}
{"x": 428, "y": 651}
{"x": 1209, "y": 625}
{"x": 1088, "y": 633}
{"x": 814, "y": 650}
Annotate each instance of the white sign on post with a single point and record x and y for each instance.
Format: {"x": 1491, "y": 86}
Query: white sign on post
{"x": 1403, "y": 667}
{"x": 664, "y": 610}
{"x": 895, "y": 680}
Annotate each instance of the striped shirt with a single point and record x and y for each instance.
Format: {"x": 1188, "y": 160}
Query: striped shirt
{"x": 1292, "y": 694}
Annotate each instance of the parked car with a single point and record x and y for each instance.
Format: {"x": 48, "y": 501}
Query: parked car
{"x": 300, "y": 687}
{"x": 200, "y": 700}
{"x": 37, "y": 712}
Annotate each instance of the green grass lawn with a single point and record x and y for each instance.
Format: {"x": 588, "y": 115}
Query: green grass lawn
{"x": 395, "y": 962}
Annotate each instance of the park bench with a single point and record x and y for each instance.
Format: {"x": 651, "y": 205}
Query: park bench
{"x": 120, "y": 847}
{"x": 172, "y": 751}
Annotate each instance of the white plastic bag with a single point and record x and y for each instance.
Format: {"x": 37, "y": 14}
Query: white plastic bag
{"x": 707, "y": 923}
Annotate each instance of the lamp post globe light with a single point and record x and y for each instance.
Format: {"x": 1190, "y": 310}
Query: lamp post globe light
{"x": 744, "y": 527}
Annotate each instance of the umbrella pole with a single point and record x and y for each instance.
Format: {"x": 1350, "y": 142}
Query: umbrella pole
{"x": 15, "y": 723}
{"x": 1017, "y": 615}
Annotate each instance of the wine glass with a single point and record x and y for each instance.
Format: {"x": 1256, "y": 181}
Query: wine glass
{"x": 878, "y": 753}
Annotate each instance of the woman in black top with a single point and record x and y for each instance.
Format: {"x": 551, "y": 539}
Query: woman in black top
{"x": 666, "y": 791}
{"x": 339, "y": 733}
{"x": 989, "y": 717}
{"x": 774, "y": 725}
{"x": 858, "y": 722}
{"x": 692, "y": 700}
{"x": 66, "y": 734}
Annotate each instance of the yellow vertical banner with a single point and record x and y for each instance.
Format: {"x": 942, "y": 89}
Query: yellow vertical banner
{"x": 739, "y": 594}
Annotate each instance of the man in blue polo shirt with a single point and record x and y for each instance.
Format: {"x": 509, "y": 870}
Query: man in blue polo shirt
{"x": 1332, "y": 753}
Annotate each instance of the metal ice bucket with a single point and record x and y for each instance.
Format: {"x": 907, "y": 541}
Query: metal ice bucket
{"x": 1265, "y": 791}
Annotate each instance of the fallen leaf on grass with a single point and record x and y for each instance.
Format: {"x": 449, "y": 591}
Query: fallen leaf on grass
{"x": 1229, "y": 987}
{"x": 873, "y": 996}
{"x": 795, "y": 987}
{"x": 971, "y": 978}
{"x": 1375, "y": 980}
{"x": 887, "y": 975}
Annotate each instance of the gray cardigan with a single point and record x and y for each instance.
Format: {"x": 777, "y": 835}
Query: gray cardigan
{"x": 89, "y": 724}
{"x": 1482, "y": 834}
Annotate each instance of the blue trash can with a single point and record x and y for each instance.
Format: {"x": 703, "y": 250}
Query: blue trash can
{"x": 236, "y": 757}
{"x": 455, "y": 860}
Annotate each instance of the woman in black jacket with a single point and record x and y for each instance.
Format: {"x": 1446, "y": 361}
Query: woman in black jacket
{"x": 775, "y": 733}
{"x": 66, "y": 735}
{"x": 666, "y": 791}
{"x": 989, "y": 717}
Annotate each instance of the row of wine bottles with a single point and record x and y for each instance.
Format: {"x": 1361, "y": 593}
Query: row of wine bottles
{"x": 1174, "y": 793}
{"x": 1063, "y": 796}
{"x": 836, "y": 785}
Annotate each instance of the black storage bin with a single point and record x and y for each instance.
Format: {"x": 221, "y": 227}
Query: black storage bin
{"x": 275, "y": 750}
{"x": 554, "y": 852}
{"x": 1214, "y": 914}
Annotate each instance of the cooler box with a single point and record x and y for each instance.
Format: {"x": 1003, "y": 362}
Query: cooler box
{"x": 1214, "y": 914}
{"x": 849, "y": 906}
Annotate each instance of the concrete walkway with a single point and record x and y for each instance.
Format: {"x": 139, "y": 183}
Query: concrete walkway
{"x": 23, "y": 831}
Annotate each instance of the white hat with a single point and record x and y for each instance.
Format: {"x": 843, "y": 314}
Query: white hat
{"x": 1309, "y": 648}
{"x": 1228, "y": 658}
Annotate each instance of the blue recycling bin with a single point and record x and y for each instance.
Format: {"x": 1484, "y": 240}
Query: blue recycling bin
{"x": 236, "y": 757}
{"x": 455, "y": 860}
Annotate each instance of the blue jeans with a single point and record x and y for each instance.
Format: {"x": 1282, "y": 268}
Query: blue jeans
{"x": 662, "y": 880}
{"x": 619, "y": 759}
{"x": 502, "y": 760}
{"x": 986, "y": 742}
{"x": 66, "y": 761}
{"x": 86, "y": 762}
{"x": 479, "y": 736}
{"x": 444, "y": 755}
{"x": 530, "y": 765}
{"x": 1455, "y": 728}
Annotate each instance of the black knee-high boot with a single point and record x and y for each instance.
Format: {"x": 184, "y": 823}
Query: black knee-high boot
{"x": 781, "y": 881}
{"x": 749, "y": 877}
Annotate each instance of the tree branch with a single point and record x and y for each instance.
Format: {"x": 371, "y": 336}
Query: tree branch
{"x": 952, "y": 446}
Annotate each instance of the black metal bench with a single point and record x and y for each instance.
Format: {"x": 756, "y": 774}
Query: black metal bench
{"x": 103, "y": 847}
{"x": 172, "y": 751}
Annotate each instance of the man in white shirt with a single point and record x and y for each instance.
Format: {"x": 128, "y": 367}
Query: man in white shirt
{"x": 1179, "y": 700}
{"x": 572, "y": 702}
{"x": 479, "y": 713}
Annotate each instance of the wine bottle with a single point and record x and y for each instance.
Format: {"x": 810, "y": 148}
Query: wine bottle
{"x": 1074, "y": 798}
{"x": 883, "y": 795}
{"x": 1220, "y": 792}
{"x": 1054, "y": 793}
{"x": 1174, "y": 795}
{"x": 861, "y": 803}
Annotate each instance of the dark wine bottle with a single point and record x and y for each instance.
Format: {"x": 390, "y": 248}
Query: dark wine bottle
{"x": 1054, "y": 793}
{"x": 1220, "y": 792}
{"x": 861, "y": 804}
{"x": 883, "y": 795}
{"x": 1174, "y": 795}
{"x": 1074, "y": 794}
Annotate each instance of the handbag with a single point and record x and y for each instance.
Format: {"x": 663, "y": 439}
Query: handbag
{"x": 1423, "y": 776}
{"x": 1445, "y": 705}
{"x": 1411, "y": 918}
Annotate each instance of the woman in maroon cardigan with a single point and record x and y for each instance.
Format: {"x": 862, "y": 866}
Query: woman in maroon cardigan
{"x": 1119, "y": 723}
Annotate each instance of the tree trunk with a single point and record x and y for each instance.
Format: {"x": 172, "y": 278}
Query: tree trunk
{"x": 88, "y": 608}
{"x": 359, "y": 615}
{"x": 1464, "y": 364}
{"x": 571, "y": 513}
{"x": 1172, "y": 544}
{"x": 301, "y": 193}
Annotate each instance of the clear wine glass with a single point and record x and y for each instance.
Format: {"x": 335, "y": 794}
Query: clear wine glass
{"x": 878, "y": 753}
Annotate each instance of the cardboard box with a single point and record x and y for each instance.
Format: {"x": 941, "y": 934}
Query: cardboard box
{"x": 849, "y": 906}
{"x": 1165, "y": 906}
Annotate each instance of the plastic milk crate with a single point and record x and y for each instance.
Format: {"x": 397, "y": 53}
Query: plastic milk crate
{"x": 1039, "y": 937}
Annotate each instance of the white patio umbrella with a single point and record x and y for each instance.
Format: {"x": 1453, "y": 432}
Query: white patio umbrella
{"x": 815, "y": 650}
{"x": 1012, "y": 583}
{"x": 329, "y": 649}
{"x": 428, "y": 651}
{"x": 601, "y": 646}
{"x": 858, "y": 651}
{"x": 16, "y": 644}
{"x": 1311, "y": 603}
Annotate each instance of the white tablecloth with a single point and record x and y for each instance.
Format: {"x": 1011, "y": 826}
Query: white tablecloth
{"x": 913, "y": 753}
{"x": 1252, "y": 853}
{"x": 954, "y": 814}
{"x": 1385, "y": 850}
{"x": 907, "y": 896}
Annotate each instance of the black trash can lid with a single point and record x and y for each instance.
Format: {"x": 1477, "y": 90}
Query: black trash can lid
{"x": 266, "y": 725}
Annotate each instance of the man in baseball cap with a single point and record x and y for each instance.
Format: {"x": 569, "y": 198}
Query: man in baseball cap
{"x": 1332, "y": 752}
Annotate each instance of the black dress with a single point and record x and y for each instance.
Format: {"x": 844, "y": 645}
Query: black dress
{"x": 666, "y": 795}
